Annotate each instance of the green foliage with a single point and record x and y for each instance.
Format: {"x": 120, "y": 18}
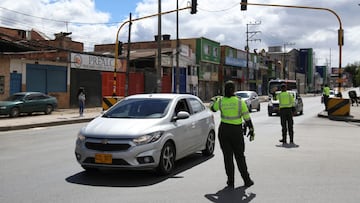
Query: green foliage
{"x": 354, "y": 71}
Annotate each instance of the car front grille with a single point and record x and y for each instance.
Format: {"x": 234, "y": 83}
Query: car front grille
{"x": 107, "y": 146}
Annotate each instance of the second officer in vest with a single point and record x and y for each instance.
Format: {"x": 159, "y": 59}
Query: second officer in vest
{"x": 233, "y": 112}
{"x": 287, "y": 108}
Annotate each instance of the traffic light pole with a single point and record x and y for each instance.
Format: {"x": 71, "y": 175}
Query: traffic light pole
{"x": 340, "y": 31}
{"x": 116, "y": 64}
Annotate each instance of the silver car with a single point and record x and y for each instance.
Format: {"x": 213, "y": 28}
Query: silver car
{"x": 147, "y": 131}
{"x": 273, "y": 104}
{"x": 251, "y": 98}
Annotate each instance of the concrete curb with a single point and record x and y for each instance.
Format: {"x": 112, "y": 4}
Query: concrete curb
{"x": 45, "y": 124}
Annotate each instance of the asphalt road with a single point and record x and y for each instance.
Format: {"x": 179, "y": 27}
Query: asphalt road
{"x": 38, "y": 165}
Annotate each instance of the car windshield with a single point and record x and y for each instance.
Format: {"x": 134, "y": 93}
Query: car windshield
{"x": 139, "y": 108}
{"x": 243, "y": 94}
{"x": 15, "y": 97}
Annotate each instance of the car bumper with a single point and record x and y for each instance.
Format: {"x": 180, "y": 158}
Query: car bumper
{"x": 4, "y": 111}
{"x": 273, "y": 109}
{"x": 145, "y": 156}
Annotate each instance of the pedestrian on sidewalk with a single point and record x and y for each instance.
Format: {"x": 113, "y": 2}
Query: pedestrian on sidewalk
{"x": 233, "y": 111}
{"x": 81, "y": 98}
{"x": 287, "y": 109}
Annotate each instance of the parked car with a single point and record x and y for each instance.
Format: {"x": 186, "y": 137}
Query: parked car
{"x": 251, "y": 98}
{"x": 27, "y": 102}
{"x": 273, "y": 104}
{"x": 147, "y": 131}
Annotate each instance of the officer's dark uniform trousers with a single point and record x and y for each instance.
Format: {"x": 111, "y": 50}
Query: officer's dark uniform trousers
{"x": 232, "y": 144}
{"x": 287, "y": 122}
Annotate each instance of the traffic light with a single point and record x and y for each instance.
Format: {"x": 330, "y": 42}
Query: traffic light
{"x": 193, "y": 6}
{"x": 244, "y": 7}
{"x": 120, "y": 48}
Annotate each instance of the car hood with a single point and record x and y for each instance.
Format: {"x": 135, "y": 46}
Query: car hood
{"x": 8, "y": 103}
{"x": 118, "y": 127}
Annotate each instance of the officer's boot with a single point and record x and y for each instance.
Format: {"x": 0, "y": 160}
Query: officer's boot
{"x": 283, "y": 140}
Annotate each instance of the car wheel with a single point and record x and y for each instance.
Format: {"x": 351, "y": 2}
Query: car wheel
{"x": 167, "y": 159}
{"x": 269, "y": 113}
{"x": 15, "y": 112}
{"x": 250, "y": 108}
{"x": 258, "y": 108}
{"x": 48, "y": 109}
{"x": 210, "y": 144}
{"x": 301, "y": 112}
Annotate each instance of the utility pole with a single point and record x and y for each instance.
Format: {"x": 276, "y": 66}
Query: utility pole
{"x": 340, "y": 30}
{"x": 128, "y": 59}
{"x": 249, "y": 38}
{"x": 158, "y": 67}
{"x": 286, "y": 76}
{"x": 177, "y": 49}
{"x": 116, "y": 55}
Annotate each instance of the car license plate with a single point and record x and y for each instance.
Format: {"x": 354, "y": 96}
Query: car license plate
{"x": 103, "y": 158}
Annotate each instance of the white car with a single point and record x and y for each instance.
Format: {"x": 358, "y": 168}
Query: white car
{"x": 251, "y": 98}
{"x": 147, "y": 131}
{"x": 273, "y": 104}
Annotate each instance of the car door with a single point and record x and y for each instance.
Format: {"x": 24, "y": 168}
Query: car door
{"x": 201, "y": 121}
{"x": 184, "y": 130}
{"x": 28, "y": 103}
{"x": 254, "y": 100}
{"x": 300, "y": 104}
{"x": 33, "y": 103}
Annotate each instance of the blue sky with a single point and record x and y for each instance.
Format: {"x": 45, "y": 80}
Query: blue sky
{"x": 117, "y": 8}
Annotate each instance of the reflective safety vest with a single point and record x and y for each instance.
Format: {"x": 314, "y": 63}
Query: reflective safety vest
{"x": 286, "y": 100}
{"x": 233, "y": 110}
{"x": 326, "y": 91}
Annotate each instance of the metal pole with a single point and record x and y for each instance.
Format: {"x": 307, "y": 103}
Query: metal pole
{"x": 284, "y": 65}
{"x": 340, "y": 31}
{"x": 128, "y": 60}
{"x": 177, "y": 49}
{"x": 247, "y": 57}
{"x": 158, "y": 67}
{"x": 117, "y": 37}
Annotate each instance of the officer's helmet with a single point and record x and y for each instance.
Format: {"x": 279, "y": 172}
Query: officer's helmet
{"x": 229, "y": 88}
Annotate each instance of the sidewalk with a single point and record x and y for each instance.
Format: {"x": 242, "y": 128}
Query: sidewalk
{"x": 69, "y": 116}
{"x": 57, "y": 117}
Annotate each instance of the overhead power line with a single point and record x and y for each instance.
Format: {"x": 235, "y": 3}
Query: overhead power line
{"x": 58, "y": 21}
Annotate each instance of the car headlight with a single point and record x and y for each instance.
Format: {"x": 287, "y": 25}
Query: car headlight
{"x": 270, "y": 104}
{"x": 148, "y": 138}
{"x": 81, "y": 137}
{"x": 2, "y": 107}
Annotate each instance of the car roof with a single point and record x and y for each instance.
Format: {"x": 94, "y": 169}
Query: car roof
{"x": 245, "y": 92}
{"x": 162, "y": 96}
{"x": 27, "y": 93}
{"x": 291, "y": 91}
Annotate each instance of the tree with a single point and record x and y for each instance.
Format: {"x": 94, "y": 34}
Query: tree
{"x": 354, "y": 71}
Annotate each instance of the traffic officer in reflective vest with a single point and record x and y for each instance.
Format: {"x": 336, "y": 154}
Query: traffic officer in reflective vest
{"x": 233, "y": 112}
{"x": 326, "y": 94}
{"x": 287, "y": 107}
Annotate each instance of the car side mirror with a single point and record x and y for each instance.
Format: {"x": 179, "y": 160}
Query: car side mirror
{"x": 181, "y": 115}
